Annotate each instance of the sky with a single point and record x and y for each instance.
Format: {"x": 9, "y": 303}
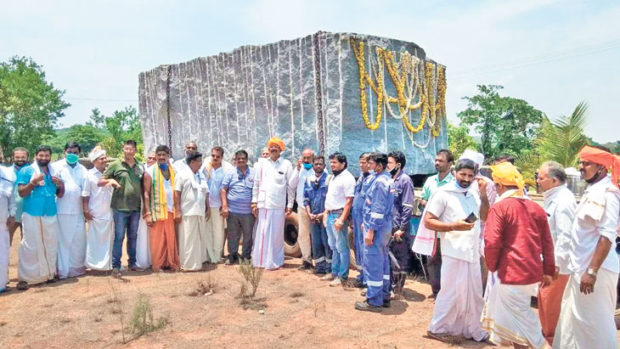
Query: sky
{"x": 553, "y": 54}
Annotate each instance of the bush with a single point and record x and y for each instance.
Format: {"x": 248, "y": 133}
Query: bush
{"x": 142, "y": 320}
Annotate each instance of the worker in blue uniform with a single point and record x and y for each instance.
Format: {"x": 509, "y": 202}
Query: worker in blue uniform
{"x": 377, "y": 229}
{"x": 401, "y": 242}
{"x": 363, "y": 181}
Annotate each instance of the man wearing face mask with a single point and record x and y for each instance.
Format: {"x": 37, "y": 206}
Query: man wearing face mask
{"x": 400, "y": 245}
{"x": 315, "y": 191}
{"x": 190, "y": 148}
{"x": 72, "y": 235}
{"x": 38, "y": 250}
{"x": 160, "y": 213}
{"x": 448, "y": 212}
{"x": 587, "y": 315}
{"x": 20, "y": 160}
{"x": 298, "y": 180}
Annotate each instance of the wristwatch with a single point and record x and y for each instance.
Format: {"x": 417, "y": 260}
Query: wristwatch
{"x": 591, "y": 272}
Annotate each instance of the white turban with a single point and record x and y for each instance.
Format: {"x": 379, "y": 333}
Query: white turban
{"x": 96, "y": 154}
{"x": 474, "y": 156}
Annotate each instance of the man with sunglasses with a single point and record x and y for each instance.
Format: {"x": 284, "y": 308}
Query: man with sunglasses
{"x": 236, "y": 196}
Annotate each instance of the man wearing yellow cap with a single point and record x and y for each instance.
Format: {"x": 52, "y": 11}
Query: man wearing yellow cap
{"x": 516, "y": 234}
{"x": 589, "y": 301}
{"x": 272, "y": 199}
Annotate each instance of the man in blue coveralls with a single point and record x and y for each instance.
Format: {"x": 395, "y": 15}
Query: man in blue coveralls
{"x": 400, "y": 244}
{"x": 361, "y": 186}
{"x": 377, "y": 228}
{"x": 315, "y": 189}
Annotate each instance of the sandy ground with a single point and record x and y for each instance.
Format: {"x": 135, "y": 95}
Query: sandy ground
{"x": 299, "y": 311}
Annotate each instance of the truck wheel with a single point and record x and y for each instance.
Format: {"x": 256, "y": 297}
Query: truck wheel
{"x": 291, "y": 247}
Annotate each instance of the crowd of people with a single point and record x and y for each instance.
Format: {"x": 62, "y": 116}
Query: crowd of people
{"x": 487, "y": 248}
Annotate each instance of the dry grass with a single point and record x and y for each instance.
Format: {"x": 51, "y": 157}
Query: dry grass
{"x": 142, "y": 321}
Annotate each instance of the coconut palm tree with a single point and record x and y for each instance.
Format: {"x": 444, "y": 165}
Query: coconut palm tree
{"x": 562, "y": 139}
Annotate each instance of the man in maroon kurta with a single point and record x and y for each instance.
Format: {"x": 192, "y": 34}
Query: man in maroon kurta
{"x": 515, "y": 236}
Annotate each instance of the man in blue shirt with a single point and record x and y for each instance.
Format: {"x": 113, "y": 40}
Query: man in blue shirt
{"x": 236, "y": 197}
{"x": 39, "y": 187}
{"x": 377, "y": 228}
{"x": 400, "y": 245}
{"x": 315, "y": 189}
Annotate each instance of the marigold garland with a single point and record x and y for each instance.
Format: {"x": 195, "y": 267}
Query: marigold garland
{"x": 431, "y": 92}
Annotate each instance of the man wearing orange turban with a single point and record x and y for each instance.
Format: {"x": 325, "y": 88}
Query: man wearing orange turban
{"x": 589, "y": 301}
{"x": 273, "y": 196}
{"x": 516, "y": 234}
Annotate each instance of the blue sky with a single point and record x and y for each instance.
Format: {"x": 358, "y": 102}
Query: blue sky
{"x": 553, "y": 54}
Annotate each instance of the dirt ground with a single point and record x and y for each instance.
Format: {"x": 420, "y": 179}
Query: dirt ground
{"x": 294, "y": 309}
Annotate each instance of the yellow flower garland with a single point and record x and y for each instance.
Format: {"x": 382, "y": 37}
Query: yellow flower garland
{"x": 432, "y": 96}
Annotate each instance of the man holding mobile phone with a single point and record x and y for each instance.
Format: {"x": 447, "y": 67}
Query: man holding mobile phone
{"x": 447, "y": 213}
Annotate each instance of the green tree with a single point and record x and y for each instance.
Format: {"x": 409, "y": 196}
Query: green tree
{"x": 29, "y": 105}
{"x": 121, "y": 126}
{"x": 561, "y": 140}
{"x": 459, "y": 140}
{"x": 506, "y": 125}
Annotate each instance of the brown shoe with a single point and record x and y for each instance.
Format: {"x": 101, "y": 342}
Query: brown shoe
{"x": 135, "y": 268}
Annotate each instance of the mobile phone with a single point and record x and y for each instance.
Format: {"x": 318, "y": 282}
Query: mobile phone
{"x": 471, "y": 218}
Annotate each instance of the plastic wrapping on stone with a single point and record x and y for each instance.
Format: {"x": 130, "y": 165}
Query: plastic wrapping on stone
{"x": 239, "y": 99}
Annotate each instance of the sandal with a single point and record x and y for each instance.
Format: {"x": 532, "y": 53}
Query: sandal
{"x": 22, "y": 286}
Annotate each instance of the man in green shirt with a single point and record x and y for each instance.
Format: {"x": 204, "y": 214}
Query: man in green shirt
{"x": 125, "y": 175}
{"x": 443, "y": 165}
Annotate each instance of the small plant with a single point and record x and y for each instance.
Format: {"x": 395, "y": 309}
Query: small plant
{"x": 117, "y": 308}
{"x": 251, "y": 277}
{"x": 142, "y": 320}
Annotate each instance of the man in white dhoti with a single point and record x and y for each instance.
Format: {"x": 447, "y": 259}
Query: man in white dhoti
{"x": 587, "y": 315}
{"x": 143, "y": 241}
{"x": 72, "y": 235}
{"x": 270, "y": 204}
{"x": 97, "y": 211}
{"x": 38, "y": 250}
{"x": 192, "y": 200}
{"x": 516, "y": 235}
{"x": 7, "y": 219}
{"x": 450, "y": 211}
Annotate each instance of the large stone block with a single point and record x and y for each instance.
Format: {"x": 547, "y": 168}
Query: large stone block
{"x": 305, "y": 91}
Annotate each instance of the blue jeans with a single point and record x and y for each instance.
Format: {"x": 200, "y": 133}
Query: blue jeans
{"x": 125, "y": 220}
{"x": 339, "y": 244}
{"x": 321, "y": 253}
{"x": 377, "y": 268}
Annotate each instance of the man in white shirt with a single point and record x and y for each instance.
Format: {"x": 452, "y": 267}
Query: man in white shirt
{"x": 300, "y": 176}
{"x": 459, "y": 302}
{"x": 215, "y": 172}
{"x": 587, "y": 315}
{"x": 270, "y": 204}
{"x": 7, "y": 218}
{"x": 338, "y": 203}
{"x": 190, "y": 148}
{"x": 72, "y": 234}
{"x": 560, "y": 205}
{"x": 192, "y": 201}
{"x": 97, "y": 211}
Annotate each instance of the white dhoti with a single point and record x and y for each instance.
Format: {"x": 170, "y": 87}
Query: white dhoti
{"x": 587, "y": 321}
{"x": 38, "y": 250}
{"x": 508, "y": 315}
{"x": 71, "y": 245}
{"x": 5, "y": 249}
{"x": 143, "y": 245}
{"x": 459, "y": 303}
{"x": 99, "y": 243}
{"x": 268, "y": 250}
{"x": 192, "y": 246}
{"x": 215, "y": 235}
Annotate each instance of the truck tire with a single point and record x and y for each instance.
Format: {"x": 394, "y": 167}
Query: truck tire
{"x": 291, "y": 246}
